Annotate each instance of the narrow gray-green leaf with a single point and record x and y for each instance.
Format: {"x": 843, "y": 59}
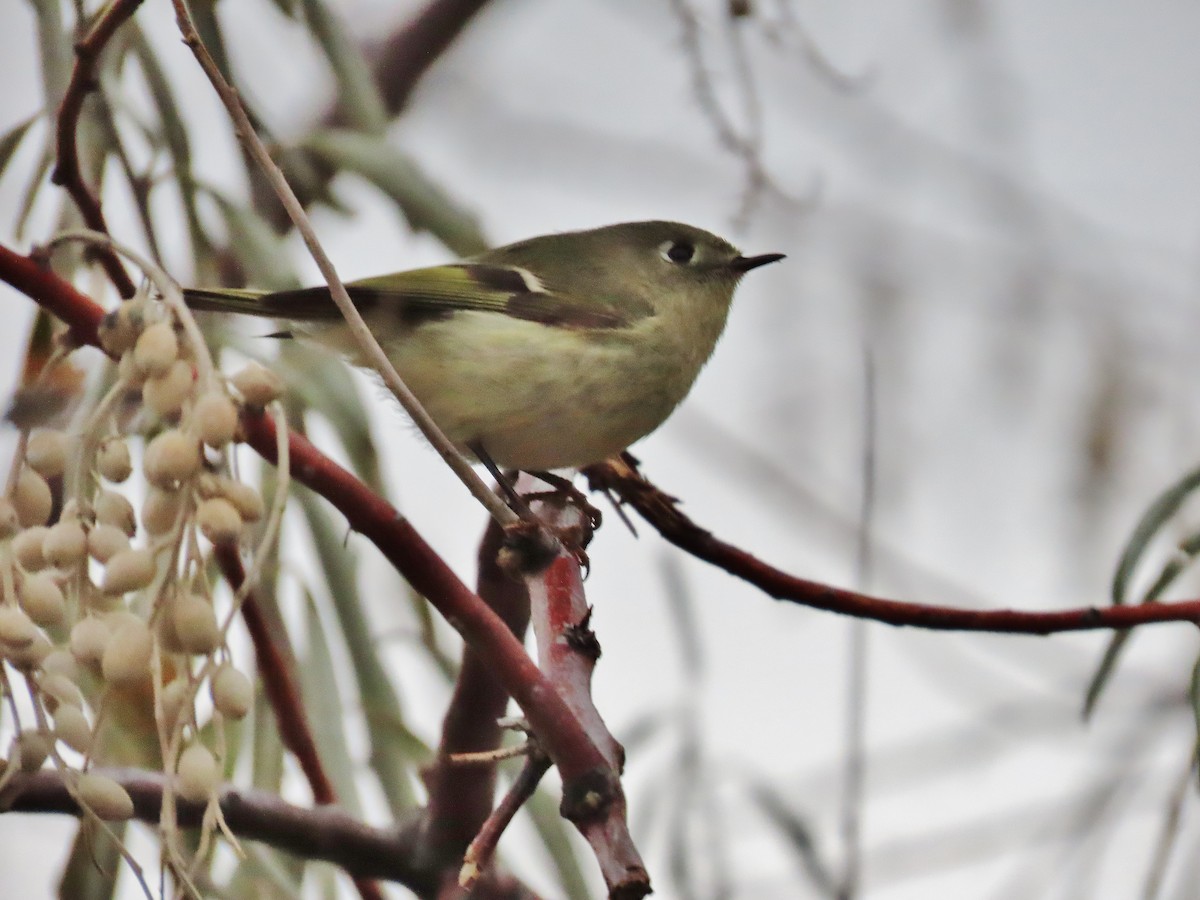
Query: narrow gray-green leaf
{"x": 555, "y": 838}
{"x": 267, "y": 872}
{"x": 1159, "y": 512}
{"x": 54, "y": 44}
{"x": 798, "y": 834}
{"x": 1194, "y": 696}
{"x": 11, "y": 140}
{"x": 174, "y": 136}
{"x": 1108, "y": 664}
{"x": 257, "y": 246}
{"x": 34, "y": 187}
{"x": 326, "y": 712}
{"x": 422, "y": 202}
{"x": 359, "y": 99}
{"x": 325, "y": 384}
{"x": 88, "y": 873}
{"x": 1175, "y": 566}
{"x": 389, "y": 759}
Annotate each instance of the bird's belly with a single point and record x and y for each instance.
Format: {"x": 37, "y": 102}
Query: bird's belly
{"x": 538, "y": 397}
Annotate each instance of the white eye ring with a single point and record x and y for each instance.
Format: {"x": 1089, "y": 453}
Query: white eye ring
{"x": 680, "y": 253}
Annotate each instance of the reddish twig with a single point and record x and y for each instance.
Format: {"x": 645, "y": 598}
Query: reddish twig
{"x": 55, "y": 295}
{"x": 659, "y": 509}
{"x": 478, "y": 858}
{"x": 460, "y": 797}
{"x": 67, "y": 171}
{"x": 325, "y": 833}
{"x": 409, "y": 52}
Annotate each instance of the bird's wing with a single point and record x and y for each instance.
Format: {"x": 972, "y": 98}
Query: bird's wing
{"x": 433, "y": 294}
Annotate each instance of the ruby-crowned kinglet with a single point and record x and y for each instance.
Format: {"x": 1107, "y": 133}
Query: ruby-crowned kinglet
{"x": 554, "y": 352}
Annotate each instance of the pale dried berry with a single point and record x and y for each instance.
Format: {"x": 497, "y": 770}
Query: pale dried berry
{"x": 246, "y": 498}
{"x": 195, "y": 624}
{"x": 198, "y": 774}
{"x": 215, "y": 418}
{"x": 126, "y": 659}
{"x": 208, "y": 485}
{"x": 46, "y": 452}
{"x": 171, "y": 458}
{"x": 58, "y": 689}
{"x": 161, "y": 510}
{"x": 32, "y": 499}
{"x": 29, "y": 656}
{"x": 60, "y": 662}
{"x": 93, "y": 599}
{"x": 113, "y": 460}
{"x": 258, "y": 386}
{"x": 89, "y": 637}
{"x": 156, "y": 349}
{"x": 72, "y": 728}
{"x": 9, "y": 523}
{"x": 172, "y": 699}
{"x": 104, "y": 797}
{"x": 129, "y": 570}
{"x": 106, "y": 541}
{"x": 43, "y": 600}
{"x": 27, "y": 547}
{"x": 119, "y": 329}
{"x": 165, "y": 394}
{"x": 164, "y": 625}
{"x": 65, "y": 544}
{"x": 219, "y": 521}
{"x": 16, "y": 628}
{"x": 32, "y": 749}
{"x": 128, "y": 372}
{"x": 115, "y": 509}
{"x": 231, "y": 691}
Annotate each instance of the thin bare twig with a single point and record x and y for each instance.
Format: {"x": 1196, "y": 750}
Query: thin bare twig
{"x": 67, "y": 171}
{"x": 478, "y": 857}
{"x": 621, "y": 477}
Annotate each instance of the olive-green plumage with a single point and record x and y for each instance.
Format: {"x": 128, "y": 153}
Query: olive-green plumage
{"x": 556, "y": 351}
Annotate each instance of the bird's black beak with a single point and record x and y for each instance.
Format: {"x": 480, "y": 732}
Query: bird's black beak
{"x": 746, "y": 263}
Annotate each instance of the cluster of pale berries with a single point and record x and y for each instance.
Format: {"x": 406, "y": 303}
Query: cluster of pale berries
{"x": 105, "y": 604}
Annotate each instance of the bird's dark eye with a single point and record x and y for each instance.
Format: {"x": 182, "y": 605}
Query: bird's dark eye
{"x": 679, "y": 252}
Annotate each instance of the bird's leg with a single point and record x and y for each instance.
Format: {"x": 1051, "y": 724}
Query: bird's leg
{"x": 566, "y": 488}
{"x": 518, "y": 504}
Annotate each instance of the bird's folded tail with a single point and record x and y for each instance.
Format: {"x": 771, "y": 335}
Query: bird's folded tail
{"x": 232, "y": 300}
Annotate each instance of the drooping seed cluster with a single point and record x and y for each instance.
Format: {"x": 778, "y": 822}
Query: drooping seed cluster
{"x": 104, "y": 603}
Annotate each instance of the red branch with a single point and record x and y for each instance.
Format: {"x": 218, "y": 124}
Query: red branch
{"x": 662, "y": 512}
{"x": 460, "y": 797}
{"x": 55, "y": 295}
{"x": 67, "y": 171}
{"x": 567, "y": 653}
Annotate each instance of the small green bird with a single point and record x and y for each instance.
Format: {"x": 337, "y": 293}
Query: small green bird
{"x": 553, "y": 352}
